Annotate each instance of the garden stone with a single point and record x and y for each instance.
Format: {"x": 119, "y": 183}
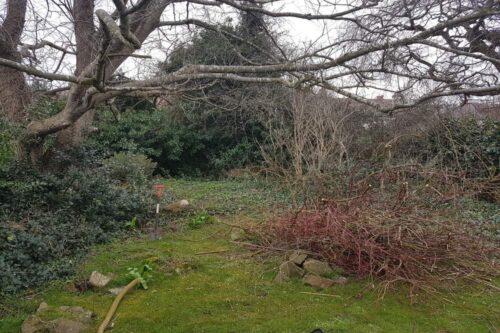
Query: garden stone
{"x": 317, "y": 267}
{"x": 33, "y": 324}
{"x": 287, "y": 271}
{"x": 298, "y": 257}
{"x": 78, "y": 312}
{"x": 98, "y": 280}
{"x": 77, "y": 322}
{"x": 65, "y": 325}
{"x": 340, "y": 280}
{"x": 318, "y": 281}
{"x": 178, "y": 206}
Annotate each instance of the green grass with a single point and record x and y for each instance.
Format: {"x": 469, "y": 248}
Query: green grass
{"x": 232, "y": 291}
{"x": 251, "y": 197}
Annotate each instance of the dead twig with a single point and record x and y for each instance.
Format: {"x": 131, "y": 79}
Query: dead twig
{"x": 319, "y": 294}
{"x": 210, "y": 252}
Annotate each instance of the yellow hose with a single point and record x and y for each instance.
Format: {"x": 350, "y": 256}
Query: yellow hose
{"x": 115, "y": 304}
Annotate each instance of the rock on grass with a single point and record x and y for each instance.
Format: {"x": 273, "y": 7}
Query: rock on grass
{"x": 318, "y": 281}
{"x": 298, "y": 257}
{"x": 287, "y": 271}
{"x": 98, "y": 280}
{"x": 317, "y": 267}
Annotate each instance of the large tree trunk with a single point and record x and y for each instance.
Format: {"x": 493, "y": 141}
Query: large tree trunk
{"x": 85, "y": 36}
{"x": 14, "y": 93}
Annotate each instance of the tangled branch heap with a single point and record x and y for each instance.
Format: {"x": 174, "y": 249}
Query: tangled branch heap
{"x": 393, "y": 239}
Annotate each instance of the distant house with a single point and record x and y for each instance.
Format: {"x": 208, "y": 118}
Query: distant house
{"x": 478, "y": 110}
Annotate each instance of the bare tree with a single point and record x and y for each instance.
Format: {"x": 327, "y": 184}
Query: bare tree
{"x": 432, "y": 48}
{"x": 310, "y": 138}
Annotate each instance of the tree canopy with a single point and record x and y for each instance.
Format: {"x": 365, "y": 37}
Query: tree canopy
{"x": 416, "y": 49}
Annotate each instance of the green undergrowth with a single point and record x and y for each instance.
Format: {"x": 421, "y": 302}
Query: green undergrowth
{"x": 204, "y": 283}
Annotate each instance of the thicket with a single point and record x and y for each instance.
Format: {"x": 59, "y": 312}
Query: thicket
{"x": 318, "y": 144}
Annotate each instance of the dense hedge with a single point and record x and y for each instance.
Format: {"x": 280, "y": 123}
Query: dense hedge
{"x": 188, "y": 146}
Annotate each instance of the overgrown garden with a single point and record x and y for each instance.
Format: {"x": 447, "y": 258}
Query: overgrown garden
{"x": 401, "y": 199}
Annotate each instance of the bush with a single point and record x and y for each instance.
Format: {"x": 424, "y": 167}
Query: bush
{"x": 468, "y": 145}
{"x": 49, "y": 220}
{"x": 135, "y": 169}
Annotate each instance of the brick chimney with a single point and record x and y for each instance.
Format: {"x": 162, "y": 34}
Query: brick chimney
{"x": 380, "y": 97}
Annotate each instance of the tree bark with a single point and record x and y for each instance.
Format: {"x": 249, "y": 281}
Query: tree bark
{"x": 85, "y": 36}
{"x": 14, "y": 92}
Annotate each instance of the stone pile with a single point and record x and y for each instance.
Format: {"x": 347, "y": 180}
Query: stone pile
{"x": 315, "y": 273}
{"x": 74, "y": 319}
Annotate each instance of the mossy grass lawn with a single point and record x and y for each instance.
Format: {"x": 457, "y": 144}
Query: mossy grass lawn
{"x": 202, "y": 282}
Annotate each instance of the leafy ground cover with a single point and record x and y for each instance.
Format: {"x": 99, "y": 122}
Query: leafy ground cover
{"x": 202, "y": 282}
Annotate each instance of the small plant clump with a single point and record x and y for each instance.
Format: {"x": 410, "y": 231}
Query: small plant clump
{"x": 200, "y": 220}
{"x": 143, "y": 275}
{"x": 133, "y": 169}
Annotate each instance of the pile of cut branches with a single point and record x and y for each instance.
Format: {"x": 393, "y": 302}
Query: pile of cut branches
{"x": 391, "y": 237}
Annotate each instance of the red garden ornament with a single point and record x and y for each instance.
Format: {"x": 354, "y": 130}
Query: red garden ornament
{"x": 158, "y": 189}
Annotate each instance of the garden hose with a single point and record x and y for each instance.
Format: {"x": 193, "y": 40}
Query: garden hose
{"x": 115, "y": 304}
